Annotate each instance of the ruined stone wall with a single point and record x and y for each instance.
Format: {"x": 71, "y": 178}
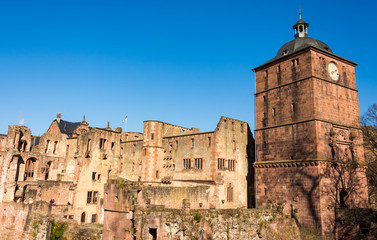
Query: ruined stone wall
{"x": 191, "y": 146}
{"x": 224, "y": 224}
{"x": 131, "y": 160}
{"x": 96, "y": 162}
{"x": 3, "y": 142}
{"x": 35, "y": 222}
{"x": 120, "y": 194}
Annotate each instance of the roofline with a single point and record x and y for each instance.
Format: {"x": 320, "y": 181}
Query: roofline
{"x": 167, "y": 124}
{"x": 302, "y": 50}
{"x": 233, "y": 119}
{"x": 184, "y": 135}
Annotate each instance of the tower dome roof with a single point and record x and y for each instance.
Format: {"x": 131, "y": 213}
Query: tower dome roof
{"x": 301, "y": 43}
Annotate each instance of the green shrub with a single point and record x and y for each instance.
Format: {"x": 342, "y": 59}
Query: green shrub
{"x": 57, "y": 230}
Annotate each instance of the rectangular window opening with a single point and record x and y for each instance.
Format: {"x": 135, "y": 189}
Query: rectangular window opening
{"x": 209, "y": 141}
{"x": 198, "y": 163}
{"x": 88, "y": 145}
{"x": 187, "y": 163}
{"x": 102, "y": 143}
{"x": 221, "y": 163}
{"x": 94, "y": 218}
{"x": 89, "y": 197}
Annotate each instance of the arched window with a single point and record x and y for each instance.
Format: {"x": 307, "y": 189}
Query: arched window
{"x": 83, "y": 217}
{"x": 29, "y": 169}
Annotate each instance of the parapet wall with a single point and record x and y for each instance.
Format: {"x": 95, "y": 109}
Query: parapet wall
{"x": 121, "y": 195}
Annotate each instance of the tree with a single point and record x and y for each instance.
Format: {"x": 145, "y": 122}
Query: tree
{"x": 369, "y": 126}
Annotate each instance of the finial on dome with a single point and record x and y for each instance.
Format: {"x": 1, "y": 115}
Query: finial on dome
{"x": 58, "y": 117}
{"x": 108, "y": 126}
{"x": 299, "y": 8}
{"x": 83, "y": 118}
{"x": 301, "y": 28}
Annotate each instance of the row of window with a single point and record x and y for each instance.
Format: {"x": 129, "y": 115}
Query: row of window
{"x": 232, "y": 125}
{"x": 47, "y": 146}
{"x": 294, "y": 63}
{"x": 223, "y": 164}
{"x": 97, "y": 176}
{"x": 102, "y": 144}
{"x": 83, "y": 217}
{"x": 198, "y": 163}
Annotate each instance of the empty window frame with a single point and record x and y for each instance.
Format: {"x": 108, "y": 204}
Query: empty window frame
{"x": 157, "y": 174}
{"x": 102, "y": 143}
{"x": 88, "y": 145}
{"x": 279, "y": 70}
{"x": 273, "y": 112}
{"x": 47, "y": 143}
{"x": 266, "y": 73}
{"x": 192, "y": 142}
{"x": 198, "y": 163}
{"x": 209, "y": 141}
{"x": 234, "y": 145}
{"x": 94, "y": 174}
{"x": 293, "y": 107}
{"x": 176, "y": 144}
{"x": 112, "y": 145}
{"x": 29, "y": 169}
{"x": 187, "y": 163}
{"x": 55, "y": 144}
{"x": 231, "y": 165}
{"x": 221, "y": 163}
{"x": 152, "y": 136}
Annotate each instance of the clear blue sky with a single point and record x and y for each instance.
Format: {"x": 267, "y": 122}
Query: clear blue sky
{"x": 181, "y": 62}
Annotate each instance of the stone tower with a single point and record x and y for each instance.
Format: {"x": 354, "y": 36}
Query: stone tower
{"x": 307, "y": 130}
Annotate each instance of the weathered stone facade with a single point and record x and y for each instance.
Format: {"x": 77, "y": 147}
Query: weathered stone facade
{"x": 68, "y": 166}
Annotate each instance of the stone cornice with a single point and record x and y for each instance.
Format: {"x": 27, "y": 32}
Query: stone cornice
{"x": 303, "y": 79}
{"x": 308, "y": 120}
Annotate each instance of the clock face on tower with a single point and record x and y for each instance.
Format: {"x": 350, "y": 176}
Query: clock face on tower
{"x": 333, "y": 71}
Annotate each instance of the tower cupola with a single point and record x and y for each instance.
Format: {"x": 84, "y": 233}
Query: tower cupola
{"x": 301, "y": 28}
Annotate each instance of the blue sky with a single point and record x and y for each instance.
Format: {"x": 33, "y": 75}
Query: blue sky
{"x": 181, "y": 62}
